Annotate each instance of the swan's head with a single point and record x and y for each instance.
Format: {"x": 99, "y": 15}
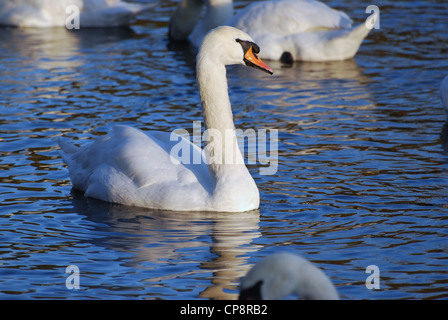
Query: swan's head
{"x": 282, "y": 274}
{"x": 228, "y": 45}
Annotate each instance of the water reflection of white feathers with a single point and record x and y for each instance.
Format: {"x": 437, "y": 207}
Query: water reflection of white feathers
{"x": 54, "y": 50}
{"x": 163, "y": 237}
{"x": 58, "y": 61}
{"x": 301, "y": 84}
{"x": 55, "y": 55}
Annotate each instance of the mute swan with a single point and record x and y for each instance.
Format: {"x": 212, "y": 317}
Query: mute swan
{"x": 444, "y": 93}
{"x": 186, "y": 22}
{"x": 288, "y": 30}
{"x": 281, "y": 274}
{"x": 136, "y": 169}
{"x": 54, "y": 13}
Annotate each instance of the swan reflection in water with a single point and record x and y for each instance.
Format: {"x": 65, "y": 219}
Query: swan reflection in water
{"x": 221, "y": 240}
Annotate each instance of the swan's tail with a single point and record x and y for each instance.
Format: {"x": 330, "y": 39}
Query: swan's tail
{"x": 68, "y": 150}
{"x": 66, "y": 146}
{"x": 361, "y": 31}
{"x": 347, "y": 42}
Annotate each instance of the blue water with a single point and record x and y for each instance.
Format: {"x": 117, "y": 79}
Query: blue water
{"x": 362, "y": 168}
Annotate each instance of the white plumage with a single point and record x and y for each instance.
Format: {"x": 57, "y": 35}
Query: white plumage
{"x": 130, "y": 167}
{"x": 306, "y": 30}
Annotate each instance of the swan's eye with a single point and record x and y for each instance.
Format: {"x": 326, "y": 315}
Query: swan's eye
{"x": 246, "y": 45}
{"x": 255, "y": 48}
{"x": 251, "y": 59}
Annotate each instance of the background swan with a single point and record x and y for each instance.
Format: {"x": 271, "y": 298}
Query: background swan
{"x": 289, "y": 30}
{"x": 186, "y": 23}
{"x": 281, "y": 274}
{"x": 52, "y": 13}
{"x": 133, "y": 168}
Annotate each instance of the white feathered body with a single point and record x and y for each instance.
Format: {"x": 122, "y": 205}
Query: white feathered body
{"x": 130, "y": 167}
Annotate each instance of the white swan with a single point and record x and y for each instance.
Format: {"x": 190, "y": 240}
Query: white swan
{"x": 444, "y": 93}
{"x": 282, "y": 274}
{"x": 53, "y": 13}
{"x": 288, "y": 30}
{"x": 186, "y": 22}
{"x": 132, "y": 168}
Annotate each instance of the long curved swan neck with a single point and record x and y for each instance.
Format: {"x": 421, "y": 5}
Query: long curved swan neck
{"x": 213, "y": 90}
{"x": 222, "y": 147}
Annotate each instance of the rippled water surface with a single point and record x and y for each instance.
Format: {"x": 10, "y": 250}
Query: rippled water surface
{"x": 362, "y": 169}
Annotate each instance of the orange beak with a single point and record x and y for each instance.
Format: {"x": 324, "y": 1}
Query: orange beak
{"x": 255, "y": 61}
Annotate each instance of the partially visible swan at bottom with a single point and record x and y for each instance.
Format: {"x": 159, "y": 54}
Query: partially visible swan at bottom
{"x": 130, "y": 167}
{"x": 282, "y": 274}
{"x": 54, "y": 13}
{"x": 288, "y": 30}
